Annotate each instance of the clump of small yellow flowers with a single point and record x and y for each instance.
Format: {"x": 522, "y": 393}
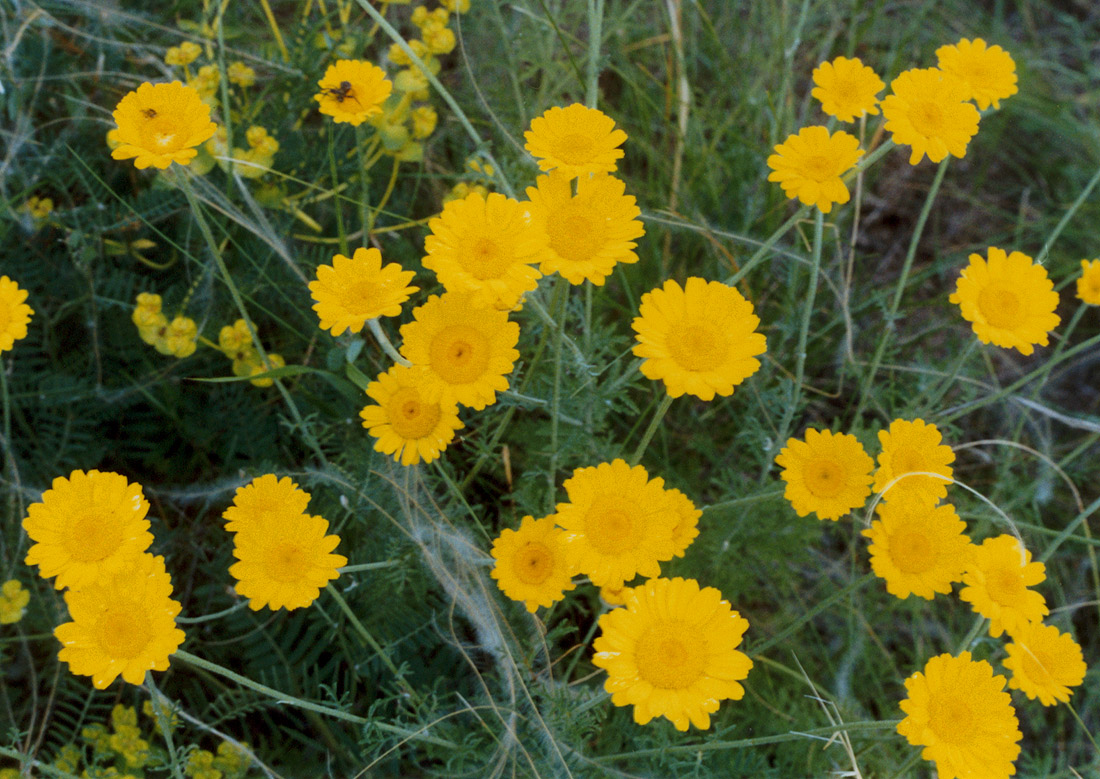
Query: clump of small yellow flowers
{"x": 38, "y": 207}
{"x": 178, "y": 337}
{"x": 809, "y": 166}
{"x": 1088, "y": 285}
{"x": 205, "y": 82}
{"x": 159, "y": 124}
{"x": 200, "y": 765}
{"x": 235, "y": 342}
{"x": 256, "y": 159}
{"x": 13, "y": 601}
{"x": 182, "y": 55}
{"x": 126, "y": 739}
{"x": 240, "y": 74}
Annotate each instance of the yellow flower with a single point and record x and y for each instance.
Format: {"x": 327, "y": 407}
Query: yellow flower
{"x": 15, "y": 314}
{"x": 353, "y": 91}
{"x": 240, "y": 74}
{"x": 928, "y": 111}
{"x": 231, "y": 759}
{"x": 285, "y": 559}
{"x": 179, "y": 339}
{"x": 917, "y": 547}
{"x": 809, "y": 166}
{"x": 424, "y": 120}
{"x": 958, "y": 711}
{"x": 258, "y": 366}
{"x": 159, "y": 124}
{"x": 847, "y": 88}
{"x": 439, "y": 39}
{"x": 576, "y": 140}
{"x": 184, "y": 54}
{"x": 234, "y": 339}
{"x": 1088, "y": 286}
{"x": 531, "y": 563}
{"x": 463, "y": 189}
{"x": 146, "y": 311}
{"x": 828, "y": 474}
{"x": 672, "y": 652}
{"x": 618, "y": 523}
{"x": 407, "y": 425}
{"x": 589, "y": 232}
{"x": 87, "y": 525}
{"x": 122, "y": 623}
{"x": 456, "y": 6}
{"x": 700, "y": 339}
{"x": 38, "y": 208}
{"x": 997, "y": 581}
{"x": 263, "y": 496}
{"x": 206, "y": 83}
{"x": 398, "y": 56}
{"x": 1009, "y": 300}
{"x": 468, "y": 351}
{"x": 486, "y": 246}
{"x": 1045, "y": 663}
{"x": 413, "y": 82}
{"x": 13, "y": 602}
{"x": 355, "y": 289}
{"x": 988, "y": 73}
{"x": 912, "y": 447}
{"x": 687, "y": 522}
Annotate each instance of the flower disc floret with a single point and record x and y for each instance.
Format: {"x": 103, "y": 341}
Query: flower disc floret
{"x": 958, "y": 711}
{"x": 407, "y": 425}
{"x": 917, "y": 547}
{"x": 353, "y": 91}
{"x": 15, "y": 314}
{"x": 672, "y": 652}
{"x": 576, "y": 140}
{"x": 531, "y": 563}
{"x": 159, "y": 124}
{"x": 828, "y": 474}
{"x": 997, "y": 582}
{"x": 847, "y": 88}
{"x": 1008, "y": 299}
{"x": 618, "y": 523}
{"x": 468, "y": 351}
{"x": 809, "y": 166}
{"x": 86, "y": 526}
{"x": 911, "y": 447}
{"x": 988, "y": 72}
{"x": 261, "y": 498}
{"x": 590, "y": 232}
{"x": 486, "y": 246}
{"x": 356, "y": 289}
{"x": 1045, "y": 663}
{"x": 928, "y": 112}
{"x": 699, "y": 339}
{"x": 123, "y": 623}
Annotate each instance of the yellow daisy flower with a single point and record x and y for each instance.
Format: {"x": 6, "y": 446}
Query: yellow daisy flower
{"x": 357, "y": 288}
{"x": 589, "y": 232}
{"x": 353, "y": 91}
{"x": 847, "y": 88}
{"x": 927, "y": 110}
{"x": 1088, "y": 286}
{"x": 700, "y": 339}
{"x": 486, "y": 245}
{"x": 13, "y": 601}
{"x": 576, "y": 140}
{"x": 828, "y": 474}
{"x": 1009, "y": 300}
{"x": 809, "y": 166}
{"x": 468, "y": 351}
{"x": 284, "y": 560}
{"x": 687, "y": 521}
{"x": 618, "y": 523}
{"x": 997, "y": 581}
{"x": 15, "y": 314}
{"x": 1045, "y": 663}
{"x": 406, "y": 425}
{"x": 159, "y": 124}
{"x": 912, "y": 447}
{"x": 917, "y": 547}
{"x": 87, "y": 525}
{"x": 958, "y": 711}
{"x": 672, "y": 652}
{"x": 263, "y": 496}
{"x": 123, "y": 623}
{"x": 240, "y": 74}
{"x": 531, "y": 564}
{"x": 988, "y": 72}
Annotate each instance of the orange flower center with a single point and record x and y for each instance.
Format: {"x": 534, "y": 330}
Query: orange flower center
{"x": 697, "y": 346}
{"x": 670, "y": 655}
{"x": 1005, "y": 586}
{"x": 950, "y": 717}
{"x": 1000, "y": 307}
{"x": 845, "y": 91}
{"x": 410, "y": 417}
{"x": 287, "y": 562}
{"x": 484, "y": 259}
{"x": 575, "y": 149}
{"x": 124, "y": 630}
{"x": 609, "y": 524}
{"x": 927, "y": 118}
{"x": 93, "y": 537}
{"x": 912, "y": 552}
{"x": 574, "y": 235}
{"x": 533, "y": 563}
{"x": 459, "y": 354}
{"x": 824, "y": 478}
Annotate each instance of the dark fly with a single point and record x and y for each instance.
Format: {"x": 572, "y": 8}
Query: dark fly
{"x": 341, "y": 92}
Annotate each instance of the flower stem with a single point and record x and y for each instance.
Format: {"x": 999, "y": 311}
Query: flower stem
{"x": 560, "y": 303}
{"x": 160, "y": 703}
{"x": 595, "y": 33}
{"x": 654, "y": 423}
{"x": 1041, "y": 257}
{"x": 384, "y": 341}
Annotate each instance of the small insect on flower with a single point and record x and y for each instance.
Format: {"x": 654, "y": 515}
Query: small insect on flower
{"x": 340, "y": 93}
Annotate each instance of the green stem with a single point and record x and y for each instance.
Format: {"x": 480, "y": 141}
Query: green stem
{"x": 341, "y": 232}
{"x": 761, "y": 254}
{"x": 458, "y": 493}
{"x": 654, "y": 423}
{"x": 360, "y": 567}
{"x": 560, "y": 303}
{"x": 933, "y": 399}
{"x": 743, "y": 501}
{"x": 1069, "y": 530}
{"x": 209, "y": 617}
{"x": 595, "y": 32}
{"x": 533, "y": 303}
{"x": 384, "y": 341}
{"x": 979, "y": 626}
{"x": 1041, "y": 257}
{"x": 365, "y": 220}
{"x": 888, "y": 330}
{"x": 782, "y": 635}
{"x": 1084, "y": 728}
{"x": 160, "y": 705}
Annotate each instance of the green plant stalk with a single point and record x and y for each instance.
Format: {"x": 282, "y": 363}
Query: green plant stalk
{"x": 945, "y": 384}
{"x": 654, "y": 423}
{"x": 918, "y": 231}
{"x": 533, "y": 303}
{"x": 743, "y": 501}
{"x": 360, "y": 567}
{"x": 341, "y": 231}
{"x": 1069, "y": 530}
{"x": 1084, "y": 727}
{"x": 576, "y": 658}
{"x": 454, "y": 488}
{"x": 384, "y": 341}
{"x": 365, "y": 220}
{"x": 208, "y": 617}
{"x": 979, "y": 626}
{"x": 595, "y": 33}
{"x": 1041, "y": 257}
{"x": 560, "y": 302}
{"x": 159, "y": 704}
{"x": 800, "y": 353}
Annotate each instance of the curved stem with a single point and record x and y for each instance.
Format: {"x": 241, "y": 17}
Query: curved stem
{"x": 160, "y": 706}
{"x": 1041, "y": 257}
{"x": 384, "y": 341}
{"x": 654, "y": 423}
